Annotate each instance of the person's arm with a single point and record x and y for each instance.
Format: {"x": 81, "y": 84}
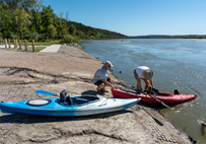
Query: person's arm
{"x": 151, "y": 82}
{"x": 110, "y": 79}
{"x": 108, "y": 83}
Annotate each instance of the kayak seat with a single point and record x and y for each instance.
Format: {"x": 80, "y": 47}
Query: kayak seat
{"x": 64, "y": 98}
{"x": 69, "y": 100}
{"x": 63, "y": 95}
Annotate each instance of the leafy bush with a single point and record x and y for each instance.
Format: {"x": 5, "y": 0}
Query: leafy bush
{"x": 70, "y": 39}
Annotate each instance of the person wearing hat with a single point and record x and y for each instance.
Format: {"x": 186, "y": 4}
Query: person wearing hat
{"x": 144, "y": 73}
{"x": 101, "y": 77}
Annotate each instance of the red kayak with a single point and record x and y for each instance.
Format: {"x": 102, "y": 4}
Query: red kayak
{"x": 167, "y": 98}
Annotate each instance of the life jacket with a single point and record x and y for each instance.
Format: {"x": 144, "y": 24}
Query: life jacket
{"x": 148, "y": 89}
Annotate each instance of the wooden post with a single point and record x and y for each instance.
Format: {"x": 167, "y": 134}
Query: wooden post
{"x": 33, "y": 46}
{"x": 5, "y": 43}
{"x": 16, "y": 43}
{"x": 20, "y": 44}
{"x": 25, "y": 45}
{"x": 9, "y": 43}
{"x": 203, "y": 128}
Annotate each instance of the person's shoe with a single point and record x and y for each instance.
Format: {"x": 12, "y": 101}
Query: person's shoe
{"x": 104, "y": 90}
{"x": 100, "y": 92}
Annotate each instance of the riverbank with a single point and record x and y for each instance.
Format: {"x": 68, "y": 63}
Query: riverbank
{"x": 72, "y": 69}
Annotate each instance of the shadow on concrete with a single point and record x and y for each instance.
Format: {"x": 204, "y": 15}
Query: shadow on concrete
{"x": 29, "y": 119}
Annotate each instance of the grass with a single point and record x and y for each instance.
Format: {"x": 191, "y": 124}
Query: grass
{"x": 47, "y": 43}
{"x": 29, "y": 49}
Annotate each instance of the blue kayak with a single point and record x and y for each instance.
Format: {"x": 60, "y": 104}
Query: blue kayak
{"x": 76, "y": 106}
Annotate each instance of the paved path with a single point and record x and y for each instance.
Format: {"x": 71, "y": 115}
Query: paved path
{"x": 3, "y": 46}
{"x": 52, "y": 49}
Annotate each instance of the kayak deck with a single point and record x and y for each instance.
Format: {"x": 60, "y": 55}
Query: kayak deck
{"x": 80, "y": 106}
{"x": 168, "y": 98}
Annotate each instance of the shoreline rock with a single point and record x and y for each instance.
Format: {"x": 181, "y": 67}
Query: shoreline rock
{"x": 72, "y": 69}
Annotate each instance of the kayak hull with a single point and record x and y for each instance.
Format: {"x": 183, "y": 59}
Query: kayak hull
{"x": 80, "y": 106}
{"x": 167, "y": 98}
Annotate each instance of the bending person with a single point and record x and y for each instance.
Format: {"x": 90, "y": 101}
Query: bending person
{"x": 144, "y": 73}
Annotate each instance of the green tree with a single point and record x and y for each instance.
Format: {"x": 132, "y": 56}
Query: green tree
{"x": 21, "y": 20}
{"x": 47, "y": 17}
{"x": 6, "y": 20}
{"x": 13, "y": 4}
{"x": 51, "y": 32}
{"x": 72, "y": 30}
{"x": 36, "y": 20}
{"x": 59, "y": 28}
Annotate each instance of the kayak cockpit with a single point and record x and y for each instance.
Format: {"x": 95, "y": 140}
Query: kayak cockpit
{"x": 78, "y": 100}
{"x": 84, "y": 99}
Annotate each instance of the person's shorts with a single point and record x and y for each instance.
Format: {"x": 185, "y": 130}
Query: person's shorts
{"x": 99, "y": 82}
{"x": 136, "y": 75}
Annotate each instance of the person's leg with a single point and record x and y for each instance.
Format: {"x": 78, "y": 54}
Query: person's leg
{"x": 100, "y": 85}
{"x": 110, "y": 81}
{"x": 146, "y": 83}
{"x": 136, "y": 77}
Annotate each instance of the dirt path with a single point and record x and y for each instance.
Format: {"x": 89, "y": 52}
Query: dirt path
{"x": 72, "y": 69}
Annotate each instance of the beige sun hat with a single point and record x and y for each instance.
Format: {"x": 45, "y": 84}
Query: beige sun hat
{"x": 108, "y": 63}
{"x": 148, "y": 74}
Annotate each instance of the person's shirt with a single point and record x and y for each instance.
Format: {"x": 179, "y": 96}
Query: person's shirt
{"x": 140, "y": 70}
{"x": 100, "y": 74}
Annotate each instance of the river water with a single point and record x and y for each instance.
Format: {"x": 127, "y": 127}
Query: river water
{"x": 176, "y": 63}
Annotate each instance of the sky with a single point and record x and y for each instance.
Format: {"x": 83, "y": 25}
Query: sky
{"x": 136, "y": 17}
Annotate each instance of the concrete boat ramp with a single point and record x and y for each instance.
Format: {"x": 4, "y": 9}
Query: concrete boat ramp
{"x": 51, "y": 49}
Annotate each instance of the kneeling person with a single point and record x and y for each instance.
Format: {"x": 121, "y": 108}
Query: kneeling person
{"x": 101, "y": 77}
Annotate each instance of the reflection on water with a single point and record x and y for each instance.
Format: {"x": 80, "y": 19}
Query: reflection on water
{"x": 177, "y": 64}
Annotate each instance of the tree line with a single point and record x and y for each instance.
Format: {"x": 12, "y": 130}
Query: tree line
{"x": 22, "y": 19}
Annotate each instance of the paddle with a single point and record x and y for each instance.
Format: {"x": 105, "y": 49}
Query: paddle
{"x": 45, "y": 93}
{"x": 153, "y": 98}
